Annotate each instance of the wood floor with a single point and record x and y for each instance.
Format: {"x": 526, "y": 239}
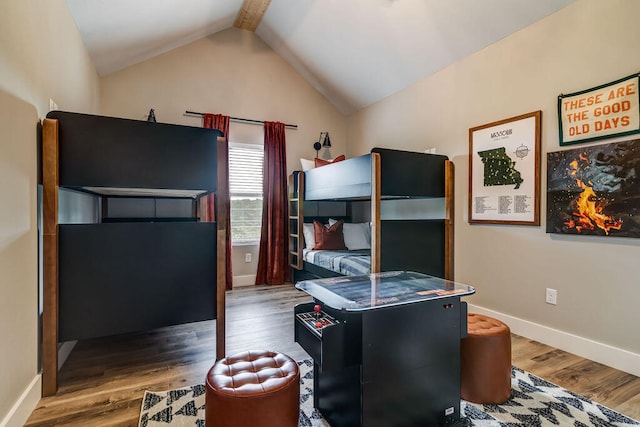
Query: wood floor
{"x": 103, "y": 380}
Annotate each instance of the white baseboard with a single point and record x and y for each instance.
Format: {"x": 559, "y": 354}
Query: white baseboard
{"x": 246, "y": 280}
{"x": 598, "y": 352}
{"x": 21, "y": 410}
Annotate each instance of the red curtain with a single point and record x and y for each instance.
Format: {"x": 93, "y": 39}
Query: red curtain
{"x": 273, "y": 266}
{"x": 221, "y": 123}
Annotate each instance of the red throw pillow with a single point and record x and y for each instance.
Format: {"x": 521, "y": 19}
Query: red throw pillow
{"x": 322, "y": 162}
{"x": 331, "y": 238}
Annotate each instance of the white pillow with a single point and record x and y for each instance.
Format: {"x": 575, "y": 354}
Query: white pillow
{"x": 307, "y": 164}
{"x": 309, "y": 235}
{"x": 356, "y": 235}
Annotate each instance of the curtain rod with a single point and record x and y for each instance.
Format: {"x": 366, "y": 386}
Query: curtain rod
{"x": 241, "y": 120}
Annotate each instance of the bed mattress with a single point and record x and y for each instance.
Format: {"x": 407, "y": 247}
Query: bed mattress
{"x": 348, "y": 263}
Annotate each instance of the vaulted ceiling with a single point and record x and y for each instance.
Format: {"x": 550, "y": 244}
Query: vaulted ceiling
{"x": 355, "y": 52}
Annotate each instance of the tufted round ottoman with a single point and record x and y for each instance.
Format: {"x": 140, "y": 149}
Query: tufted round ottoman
{"x": 253, "y": 388}
{"x": 485, "y": 369}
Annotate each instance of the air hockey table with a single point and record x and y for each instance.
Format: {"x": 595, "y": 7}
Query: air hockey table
{"x": 385, "y": 348}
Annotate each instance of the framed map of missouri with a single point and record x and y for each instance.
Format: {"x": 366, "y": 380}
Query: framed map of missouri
{"x": 504, "y": 171}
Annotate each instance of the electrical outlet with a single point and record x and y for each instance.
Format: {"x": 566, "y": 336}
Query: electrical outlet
{"x": 430, "y": 150}
{"x": 247, "y": 257}
{"x": 551, "y": 296}
{"x": 52, "y": 105}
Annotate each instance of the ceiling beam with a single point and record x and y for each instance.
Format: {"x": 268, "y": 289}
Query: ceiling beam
{"x": 251, "y": 14}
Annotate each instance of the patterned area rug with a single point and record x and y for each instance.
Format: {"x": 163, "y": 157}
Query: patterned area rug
{"x": 534, "y": 403}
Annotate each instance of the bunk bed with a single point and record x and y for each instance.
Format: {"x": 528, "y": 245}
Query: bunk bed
{"x": 406, "y": 198}
{"x": 107, "y": 274}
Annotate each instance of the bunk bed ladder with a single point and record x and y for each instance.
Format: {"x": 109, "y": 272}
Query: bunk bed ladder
{"x": 296, "y": 219}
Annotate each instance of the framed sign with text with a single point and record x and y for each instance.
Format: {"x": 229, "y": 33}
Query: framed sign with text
{"x": 601, "y": 112}
{"x": 504, "y": 171}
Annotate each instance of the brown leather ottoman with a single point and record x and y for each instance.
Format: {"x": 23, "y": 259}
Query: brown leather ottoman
{"x": 485, "y": 358}
{"x": 253, "y": 388}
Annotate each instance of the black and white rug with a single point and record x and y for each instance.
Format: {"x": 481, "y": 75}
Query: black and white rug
{"x": 534, "y": 402}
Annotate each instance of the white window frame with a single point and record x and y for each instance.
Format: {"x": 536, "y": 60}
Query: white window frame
{"x": 256, "y": 147}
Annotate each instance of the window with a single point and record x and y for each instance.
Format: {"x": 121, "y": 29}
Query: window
{"x": 245, "y": 192}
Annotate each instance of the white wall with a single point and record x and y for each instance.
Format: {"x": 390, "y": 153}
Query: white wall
{"x": 589, "y": 43}
{"x": 234, "y": 73}
{"x": 44, "y": 58}
{"x": 41, "y": 57}
{"x": 18, "y": 252}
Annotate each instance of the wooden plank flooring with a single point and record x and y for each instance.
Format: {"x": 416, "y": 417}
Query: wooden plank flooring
{"x": 103, "y": 381}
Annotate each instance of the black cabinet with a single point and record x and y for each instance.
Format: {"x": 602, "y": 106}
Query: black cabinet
{"x": 382, "y": 361}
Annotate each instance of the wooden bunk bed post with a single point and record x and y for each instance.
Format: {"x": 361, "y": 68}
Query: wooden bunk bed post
{"x": 220, "y": 294}
{"x": 375, "y": 212}
{"x": 449, "y": 182}
{"x": 50, "y": 257}
{"x": 222, "y": 200}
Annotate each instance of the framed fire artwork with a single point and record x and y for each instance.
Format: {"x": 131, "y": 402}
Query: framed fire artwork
{"x": 595, "y": 190}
